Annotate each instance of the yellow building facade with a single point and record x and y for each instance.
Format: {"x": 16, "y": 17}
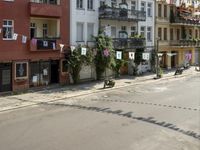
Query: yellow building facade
{"x": 178, "y": 35}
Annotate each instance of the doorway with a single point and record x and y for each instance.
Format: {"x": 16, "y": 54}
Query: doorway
{"x": 5, "y": 77}
{"x": 54, "y": 71}
{"x": 174, "y": 59}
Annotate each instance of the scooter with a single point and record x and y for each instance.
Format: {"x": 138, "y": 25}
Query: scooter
{"x": 109, "y": 83}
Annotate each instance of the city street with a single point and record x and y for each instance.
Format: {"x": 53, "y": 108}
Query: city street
{"x": 162, "y": 115}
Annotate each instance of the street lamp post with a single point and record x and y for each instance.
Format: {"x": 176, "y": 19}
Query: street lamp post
{"x": 157, "y": 58}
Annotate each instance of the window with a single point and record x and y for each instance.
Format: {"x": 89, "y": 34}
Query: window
{"x": 142, "y": 31}
{"x": 45, "y": 30}
{"x": 33, "y": 31}
{"x": 114, "y": 3}
{"x": 159, "y": 10}
{"x": 102, "y": 3}
{"x": 190, "y": 33}
{"x": 79, "y": 4}
{"x": 160, "y": 33}
{"x": 196, "y": 33}
{"x": 90, "y": 31}
{"x": 199, "y": 33}
{"x": 178, "y": 34}
{"x": 143, "y": 6}
{"x": 149, "y": 10}
{"x": 165, "y": 33}
{"x": 149, "y": 33}
{"x": 123, "y": 28}
{"x": 79, "y": 32}
{"x": 21, "y": 70}
{"x": 113, "y": 32}
{"x": 133, "y": 31}
{"x": 65, "y": 66}
{"x": 165, "y": 11}
{"x": 90, "y": 4}
{"x": 171, "y": 34}
{"x": 133, "y": 5}
{"x": 8, "y": 29}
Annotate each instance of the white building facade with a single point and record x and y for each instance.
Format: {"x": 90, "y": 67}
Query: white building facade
{"x": 83, "y": 25}
{"x": 83, "y": 21}
{"x": 130, "y": 24}
{"x": 147, "y": 27}
{"x": 137, "y": 21}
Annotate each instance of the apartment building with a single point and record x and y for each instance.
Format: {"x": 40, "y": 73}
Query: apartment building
{"x": 30, "y": 34}
{"x": 131, "y": 25}
{"x": 178, "y": 30}
{"x": 84, "y": 24}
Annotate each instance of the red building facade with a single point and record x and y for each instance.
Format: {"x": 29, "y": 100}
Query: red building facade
{"x": 30, "y": 35}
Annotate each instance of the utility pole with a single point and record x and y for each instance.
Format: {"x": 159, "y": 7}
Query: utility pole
{"x": 157, "y": 58}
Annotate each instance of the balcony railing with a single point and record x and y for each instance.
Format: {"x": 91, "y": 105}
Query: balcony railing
{"x": 185, "y": 43}
{"x": 40, "y": 44}
{"x": 53, "y": 2}
{"x": 128, "y": 43}
{"x": 185, "y": 21}
{"x": 121, "y": 14}
{"x": 45, "y": 9}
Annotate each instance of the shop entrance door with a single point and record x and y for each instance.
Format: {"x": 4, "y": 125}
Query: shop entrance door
{"x": 5, "y": 77}
{"x": 55, "y": 71}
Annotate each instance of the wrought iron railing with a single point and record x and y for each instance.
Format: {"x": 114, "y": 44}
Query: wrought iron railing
{"x": 128, "y": 43}
{"x": 53, "y": 2}
{"x": 46, "y": 43}
{"x": 121, "y": 14}
{"x": 187, "y": 43}
{"x": 186, "y": 21}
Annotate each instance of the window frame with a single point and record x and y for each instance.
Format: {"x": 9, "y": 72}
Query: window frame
{"x": 90, "y": 25}
{"x": 160, "y": 33}
{"x": 83, "y": 32}
{"x": 159, "y": 10}
{"x": 165, "y": 34}
{"x": 133, "y": 32}
{"x": 26, "y": 75}
{"x": 149, "y": 8}
{"x": 149, "y": 39}
{"x": 8, "y": 26}
{"x": 90, "y": 4}
{"x": 143, "y": 2}
{"x": 142, "y": 31}
{"x": 79, "y": 3}
{"x": 165, "y": 11}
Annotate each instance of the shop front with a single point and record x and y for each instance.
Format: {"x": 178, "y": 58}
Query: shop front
{"x": 43, "y": 73}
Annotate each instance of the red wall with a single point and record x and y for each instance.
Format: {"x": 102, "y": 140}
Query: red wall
{"x": 11, "y": 50}
{"x": 19, "y": 12}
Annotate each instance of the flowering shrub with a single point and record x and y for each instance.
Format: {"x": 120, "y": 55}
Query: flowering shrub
{"x": 105, "y": 54}
{"x": 76, "y": 60}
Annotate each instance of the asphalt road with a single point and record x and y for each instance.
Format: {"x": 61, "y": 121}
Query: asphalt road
{"x": 151, "y": 116}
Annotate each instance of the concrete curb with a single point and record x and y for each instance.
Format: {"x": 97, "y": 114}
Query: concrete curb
{"x": 139, "y": 82}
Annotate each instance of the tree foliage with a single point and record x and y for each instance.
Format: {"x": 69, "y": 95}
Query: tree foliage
{"x": 76, "y": 60}
{"x": 105, "y": 56}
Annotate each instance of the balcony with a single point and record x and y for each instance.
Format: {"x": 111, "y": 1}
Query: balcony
{"x": 45, "y": 9}
{"x": 182, "y": 21}
{"x": 128, "y": 43}
{"x": 121, "y": 14}
{"x": 185, "y": 43}
{"x": 44, "y": 44}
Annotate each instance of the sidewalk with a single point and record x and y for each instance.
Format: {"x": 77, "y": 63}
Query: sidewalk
{"x": 50, "y": 94}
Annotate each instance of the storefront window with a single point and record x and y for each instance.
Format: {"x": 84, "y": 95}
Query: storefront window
{"x": 39, "y": 73}
{"x": 21, "y": 70}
